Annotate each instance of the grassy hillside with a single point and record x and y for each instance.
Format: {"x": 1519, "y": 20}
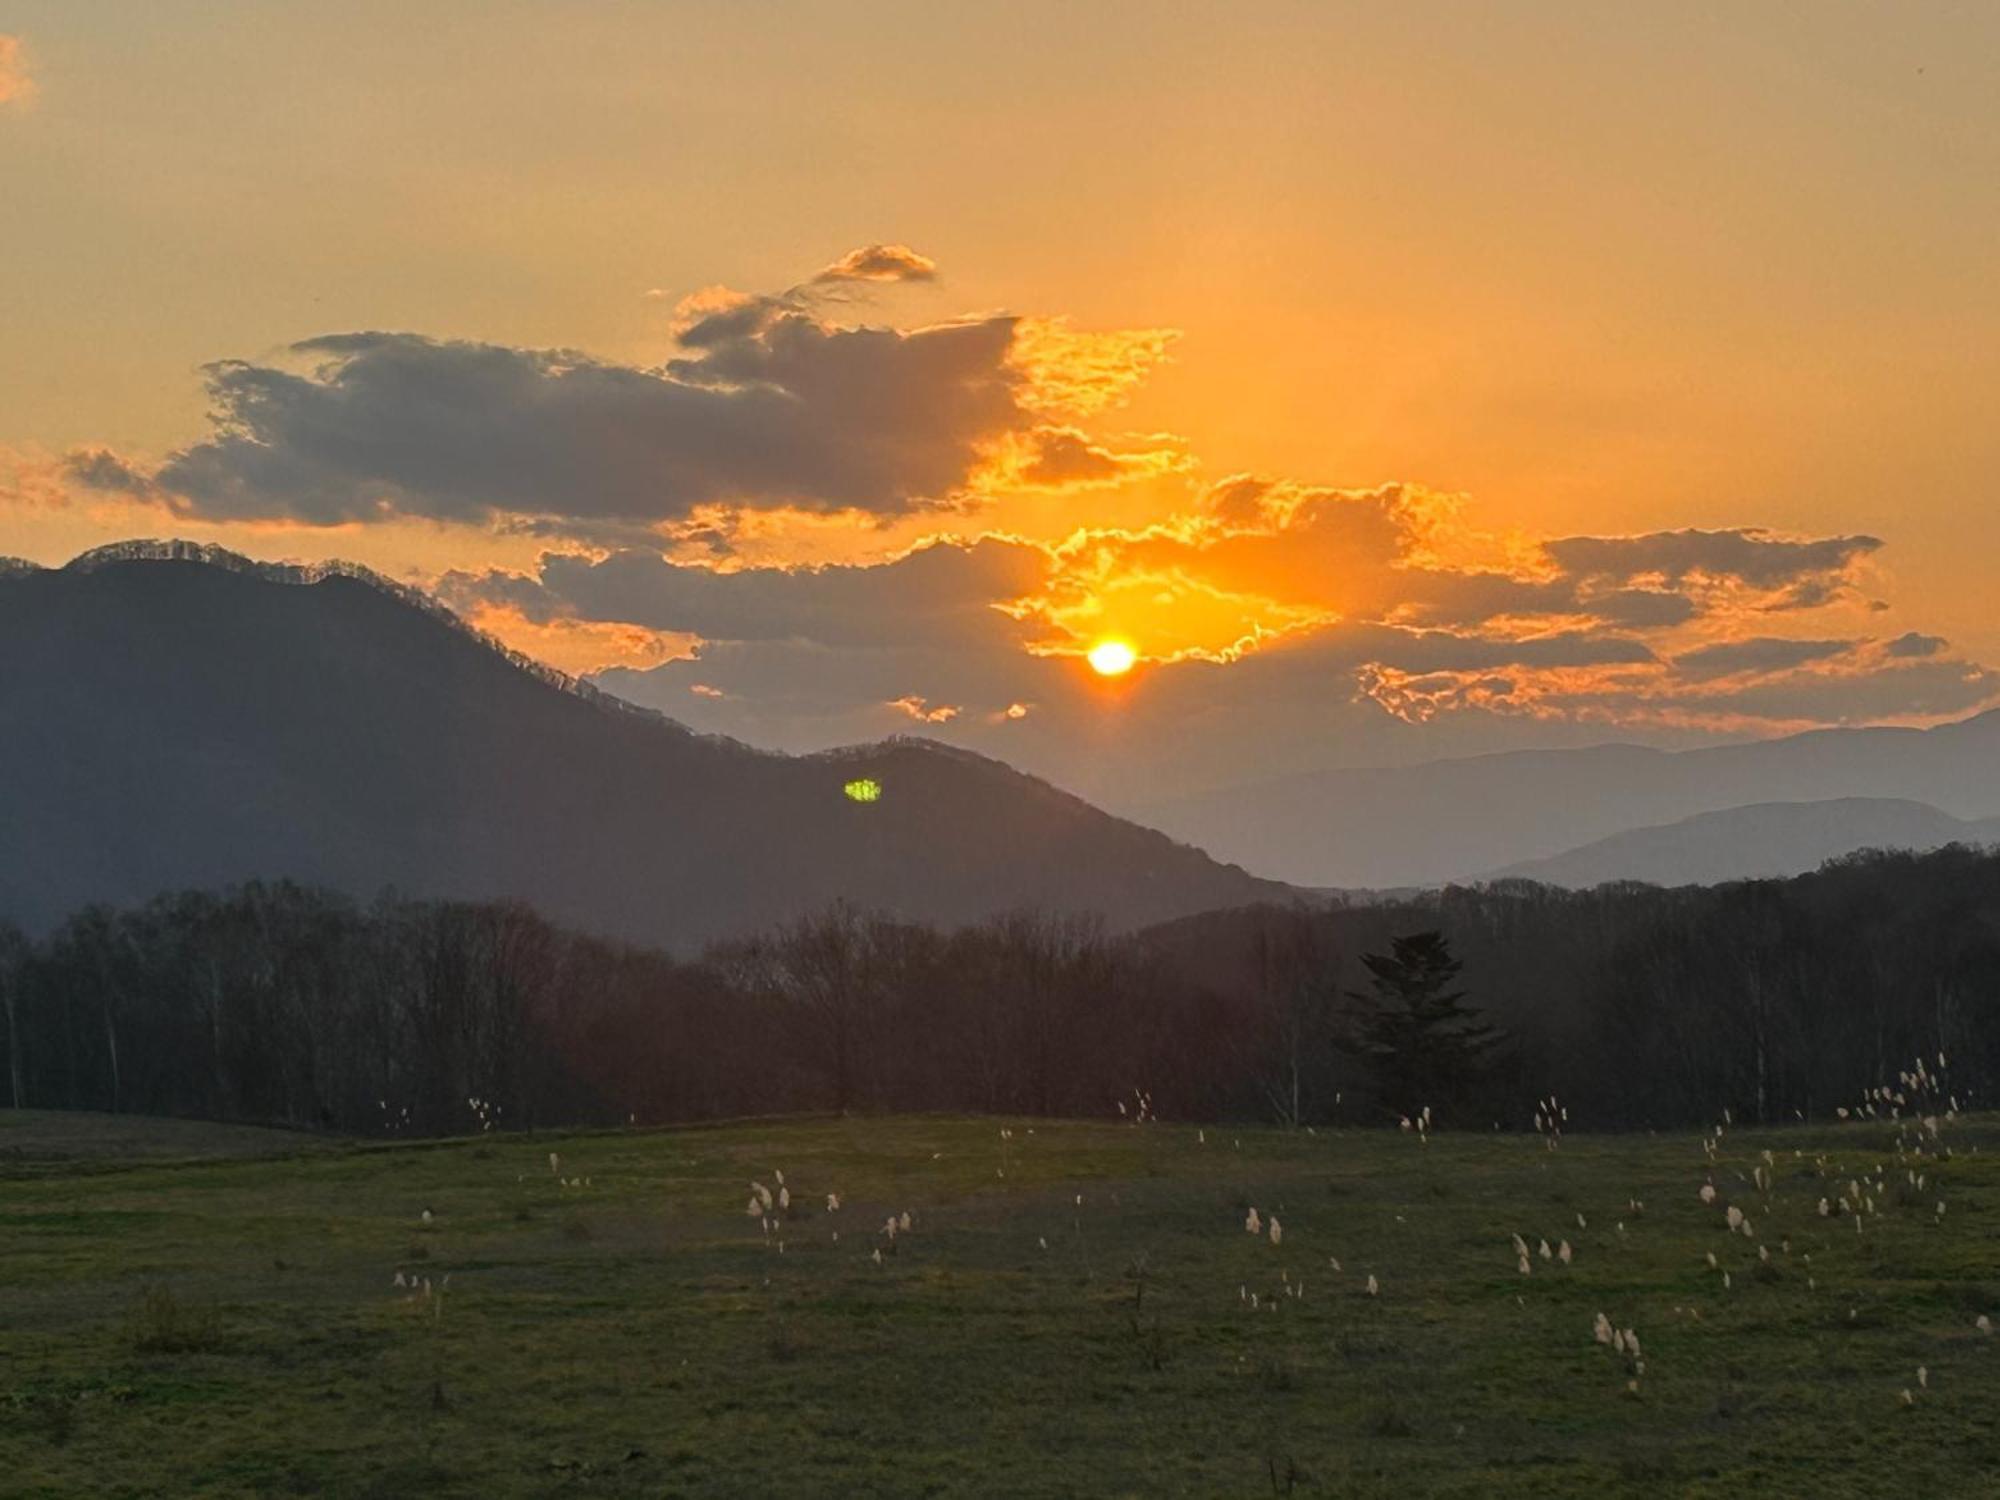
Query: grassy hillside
{"x": 1068, "y": 1313}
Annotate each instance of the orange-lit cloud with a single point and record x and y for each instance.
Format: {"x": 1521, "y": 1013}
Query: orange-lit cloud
{"x": 581, "y": 647}
{"x": 879, "y": 263}
{"x": 802, "y": 528}
{"x": 17, "y": 88}
{"x": 924, "y": 712}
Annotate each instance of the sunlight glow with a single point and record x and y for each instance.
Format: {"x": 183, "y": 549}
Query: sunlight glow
{"x": 1112, "y": 658}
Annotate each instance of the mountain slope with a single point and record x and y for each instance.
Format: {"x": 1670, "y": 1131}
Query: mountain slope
{"x": 1757, "y": 842}
{"x": 193, "y": 719}
{"x": 1459, "y": 819}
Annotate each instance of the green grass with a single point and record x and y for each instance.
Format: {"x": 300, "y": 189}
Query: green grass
{"x": 221, "y": 1323}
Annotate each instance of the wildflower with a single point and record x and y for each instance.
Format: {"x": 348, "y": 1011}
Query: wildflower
{"x": 1601, "y": 1329}
{"x": 1373, "y": 1286}
{"x": 1708, "y": 1192}
{"x": 1043, "y": 1241}
{"x": 784, "y": 1197}
{"x": 1908, "y": 1399}
{"x": 1735, "y": 1217}
{"x": 1924, "y": 1376}
{"x": 833, "y": 1203}
{"x": 1253, "y": 1224}
{"x": 427, "y": 1216}
{"x": 1984, "y": 1324}
{"x": 878, "y": 1255}
{"x": 1527, "y": 1267}
{"x": 554, "y": 1161}
{"x": 889, "y": 1226}
{"x": 1564, "y": 1252}
{"x": 1334, "y": 1261}
{"x": 1277, "y": 1230}
{"x": 1580, "y": 1224}
{"x": 1711, "y": 1260}
{"x": 754, "y": 1207}
{"x": 1545, "y": 1252}
{"x": 401, "y": 1282}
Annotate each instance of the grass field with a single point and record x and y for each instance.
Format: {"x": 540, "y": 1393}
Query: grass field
{"x": 1069, "y": 1313}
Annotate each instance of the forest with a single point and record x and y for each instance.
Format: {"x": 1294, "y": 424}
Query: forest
{"x": 1635, "y": 1007}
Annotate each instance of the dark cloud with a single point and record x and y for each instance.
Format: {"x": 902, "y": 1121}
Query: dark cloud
{"x": 1746, "y": 555}
{"x": 101, "y": 469}
{"x": 1063, "y": 459}
{"x": 1913, "y": 644}
{"x": 942, "y": 594}
{"x": 780, "y": 409}
{"x": 1868, "y": 692}
{"x": 1756, "y": 654}
{"x": 1892, "y": 689}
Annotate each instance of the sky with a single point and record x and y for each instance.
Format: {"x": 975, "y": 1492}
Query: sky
{"x": 1395, "y": 381}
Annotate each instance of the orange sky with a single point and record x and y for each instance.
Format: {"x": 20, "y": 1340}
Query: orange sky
{"x": 1288, "y": 332}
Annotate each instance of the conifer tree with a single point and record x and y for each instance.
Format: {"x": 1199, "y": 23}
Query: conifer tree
{"x": 1413, "y": 1029}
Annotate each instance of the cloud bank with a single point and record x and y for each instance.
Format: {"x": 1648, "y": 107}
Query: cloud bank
{"x": 1275, "y": 618}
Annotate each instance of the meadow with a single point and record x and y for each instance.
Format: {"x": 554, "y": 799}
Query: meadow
{"x": 1072, "y": 1308}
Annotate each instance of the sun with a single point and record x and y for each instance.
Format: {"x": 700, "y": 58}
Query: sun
{"x": 1112, "y": 658}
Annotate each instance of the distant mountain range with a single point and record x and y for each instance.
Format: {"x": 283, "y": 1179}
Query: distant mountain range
{"x": 1464, "y": 819}
{"x": 1762, "y": 841}
{"x": 174, "y": 716}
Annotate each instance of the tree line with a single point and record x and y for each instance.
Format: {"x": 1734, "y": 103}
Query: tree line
{"x": 1636, "y": 1007}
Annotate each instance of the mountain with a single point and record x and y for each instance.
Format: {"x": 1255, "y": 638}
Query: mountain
{"x": 1762, "y": 841}
{"x": 175, "y": 716}
{"x": 1460, "y": 819}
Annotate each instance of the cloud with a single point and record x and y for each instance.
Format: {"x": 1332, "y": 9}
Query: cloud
{"x": 922, "y": 712}
{"x": 17, "y": 87}
{"x": 1287, "y": 555}
{"x": 101, "y": 469}
{"x": 880, "y": 263}
{"x": 1757, "y": 654}
{"x": 770, "y": 404}
{"x": 1913, "y": 644}
{"x": 780, "y": 410}
{"x": 1278, "y": 621}
{"x": 1746, "y": 555}
{"x": 942, "y": 594}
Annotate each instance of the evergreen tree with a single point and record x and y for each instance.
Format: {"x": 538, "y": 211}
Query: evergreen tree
{"x": 1422, "y": 1042}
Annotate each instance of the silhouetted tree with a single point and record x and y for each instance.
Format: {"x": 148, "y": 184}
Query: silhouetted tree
{"x": 1420, "y": 1039}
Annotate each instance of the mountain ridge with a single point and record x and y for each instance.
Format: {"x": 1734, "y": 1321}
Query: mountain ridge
{"x": 1461, "y": 818}
{"x": 1760, "y": 841}
{"x": 172, "y": 715}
